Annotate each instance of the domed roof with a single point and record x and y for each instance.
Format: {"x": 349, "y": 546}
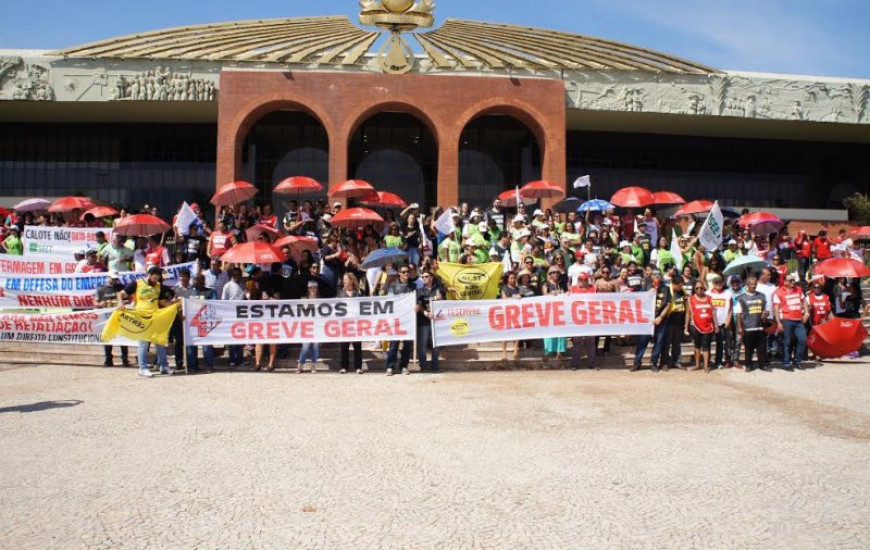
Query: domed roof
{"x": 457, "y": 44}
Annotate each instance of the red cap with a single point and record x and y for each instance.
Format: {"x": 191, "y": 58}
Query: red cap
{"x": 194, "y": 206}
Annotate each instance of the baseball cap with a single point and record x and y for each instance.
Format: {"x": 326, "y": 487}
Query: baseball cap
{"x": 519, "y": 218}
{"x": 113, "y": 274}
{"x": 793, "y": 277}
{"x": 194, "y": 206}
{"x": 732, "y": 241}
{"x": 624, "y": 244}
{"x": 583, "y": 275}
{"x": 336, "y": 203}
{"x": 312, "y": 284}
{"x": 538, "y": 212}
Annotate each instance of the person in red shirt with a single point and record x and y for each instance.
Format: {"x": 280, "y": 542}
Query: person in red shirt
{"x": 781, "y": 269}
{"x": 156, "y": 254}
{"x": 702, "y": 320}
{"x": 821, "y": 248}
{"x": 579, "y": 343}
{"x": 220, "y": 241}
{"x": 791, "y": 313}
{"x": 819, "y": 304}
{"x": 803, "y": 248}
{"x": 268, "y": 218}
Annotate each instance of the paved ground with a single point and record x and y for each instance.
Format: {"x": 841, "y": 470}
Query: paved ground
{"x": 94, "y": 458}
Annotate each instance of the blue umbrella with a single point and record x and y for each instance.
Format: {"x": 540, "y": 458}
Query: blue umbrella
{"x": 739, "y": 264}
{"x": 595, "y": 205}
{"x": 383, "y": 256}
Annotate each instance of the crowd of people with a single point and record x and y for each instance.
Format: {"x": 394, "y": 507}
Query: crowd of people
{"x": 753, "y": 317}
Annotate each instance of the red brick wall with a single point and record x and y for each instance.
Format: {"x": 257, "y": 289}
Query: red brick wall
{"x": 342, "y": 101}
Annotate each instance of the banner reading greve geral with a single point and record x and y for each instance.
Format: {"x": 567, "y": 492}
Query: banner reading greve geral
{"x": 605, "y": 314}
{"x": 73, "y": 291}
{"x": 384, "y": 318}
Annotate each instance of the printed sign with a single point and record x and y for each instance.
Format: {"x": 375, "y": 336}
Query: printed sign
{"x": 70, "y": 291}
{"x": 610, "y": 314}
{"x": 384, "y": 318}
{"x": 60, "y": 241}
{"x": 472, "y": 281}
{"x": 149, "y": 326}
{"x": 20, "y": 265}
{"x": 82, "y": 327}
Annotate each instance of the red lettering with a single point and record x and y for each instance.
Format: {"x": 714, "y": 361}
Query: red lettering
{"x": 397, "y": 327}
{"x": 609, "y": 312}
{"x": 272, "y": 332}
{"x": 594, "y": 313}
{"x": 626, "y": 314}
{"x": 638, "y": 312}
{"x": 512, "y": 317}
{"x": 496, "y": 318}
{"x": 543, "y": 313}
{"x": 364, "y": 327}
{"x": 255, "y": 331}
{"x": 578, "y": 313}
{"x": 307, "y": 329}
{"x": 238, "y": 331}
{"x": 559, "y": 314}
{"x": 289, "y": 328}
{"x": 528, "y": 316}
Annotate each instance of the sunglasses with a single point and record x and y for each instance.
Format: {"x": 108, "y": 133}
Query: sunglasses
{"x": 404, "y": 272}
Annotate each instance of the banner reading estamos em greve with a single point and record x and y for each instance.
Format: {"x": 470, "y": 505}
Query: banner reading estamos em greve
{"x": 604, "y": 314}
{"x": 218, "y": 322}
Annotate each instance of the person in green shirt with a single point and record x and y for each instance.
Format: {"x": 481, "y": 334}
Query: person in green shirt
{"x": 449, "y": 249}
{"x": 732, "y": 252}
{"x": 12, "y": 244}
{"x": 662, "y": 256}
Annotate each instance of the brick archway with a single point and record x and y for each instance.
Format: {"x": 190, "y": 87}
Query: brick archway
{"x": 340, "y": 101}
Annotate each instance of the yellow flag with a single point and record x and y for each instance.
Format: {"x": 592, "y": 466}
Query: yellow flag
{"x": 150, "y": 326}
{"x": 472, "y": 281}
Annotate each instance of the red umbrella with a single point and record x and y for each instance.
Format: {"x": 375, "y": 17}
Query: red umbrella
{"x": 100, "y": 212}
{"x": 298, "y": 185}
{"x": 861, "y": 232}
{"x": 837, "y": 337}
{"x": 842, "y": 267}
{"x": 509, "y": 198}
{"x": 253, "y": 253}
{"x": 633, "y": 197}
{"x": 68, "y": 204}
{"x": 666, "y": 197}
{"x": 761, "y": 223}
{"x": 351, "y": 189}
{"x": 297, "y": 245}
{"x": 140, "y": 225}
{"x": 384, "y": 198}
{"x": 254, "y": 232}
{"x": 233, "y": 193}
{"x": 542, "y": 189}
{"x": 694, "y": 207}
{"x": 356, "y": 218}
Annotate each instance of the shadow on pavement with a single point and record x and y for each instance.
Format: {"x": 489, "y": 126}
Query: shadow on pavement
{"x": 41, "y": 406}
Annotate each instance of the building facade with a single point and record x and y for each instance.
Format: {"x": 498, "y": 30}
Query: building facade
{"x": 454, "y": 114}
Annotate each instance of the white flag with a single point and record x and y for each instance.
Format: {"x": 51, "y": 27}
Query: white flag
{"x": 519, "y": 199}
{"x": 425, "y": 245}
{"x": 186, "y": 216}
{"x": 582, "y": 181}
{"x": 506, "y": 262}
{"x": 675, "y": 251}
{"x": 444, "y": 224}
{"x": 710, "y": 235}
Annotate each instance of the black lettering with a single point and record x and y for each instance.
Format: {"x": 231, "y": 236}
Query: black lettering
{"x": 286, "y": 311}
{"x": 384, "y": 307}
{"x": 242, "y": 312}
{"x": 324, "y": 310}
{"x": 307, "y": 310}
{"x": 365, "y": 308}
{"x": 341, "y": 309}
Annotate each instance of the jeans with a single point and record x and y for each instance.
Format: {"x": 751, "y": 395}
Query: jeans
{"x": 733, "y": 343}
{"x": 357, "y": 355}
{"x": 424, "y": 335}
{"x": 107, "y": 350}
{"x": 142, "y": 355}
{"x": 791, "y": 331}
{"x": 236, "y": 354}
{"x": 723, "y": 344}
{"x": 193, "y": 359}
{"x": 578, "y": 344}
{"x": 413, "y": 256}
{"x": 755, "y": 340}
{"x": 177, "y": 337}
{"x": 309, "y": 350}
{"x": 394, "y": 352}
{"x": 658, "y": 340}
{"x": 672, "y": 347}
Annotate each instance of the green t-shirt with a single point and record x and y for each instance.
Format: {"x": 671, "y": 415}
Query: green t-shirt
{"x": 14, "y": 246}
{"x": 449, "y": 251}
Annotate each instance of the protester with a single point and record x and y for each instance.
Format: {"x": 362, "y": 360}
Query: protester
{"x": 310, "y": 350}
{"x": 396, "y": 288}
{"x": 234, "y": 290}
{"x": 701, "y": 325}
{"x": 752, "y": 313}
{"x": 107, "y": 297}
{"x": 148, "y": 295}
{"x": 350, "y": 289}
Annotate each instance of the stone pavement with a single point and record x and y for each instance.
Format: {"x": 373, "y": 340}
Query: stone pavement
{"x": 96, "y": 458}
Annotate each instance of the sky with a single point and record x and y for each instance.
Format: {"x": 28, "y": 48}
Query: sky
{"x": 816, "y": 37}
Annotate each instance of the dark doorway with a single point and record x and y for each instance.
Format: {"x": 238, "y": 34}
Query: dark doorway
{"x": 284, "y": 144}
{"x": 496, "y": 152}
{"x": 396, "y": 152}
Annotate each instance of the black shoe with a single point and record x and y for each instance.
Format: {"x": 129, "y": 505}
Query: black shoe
{"x": 634, "y": 368}
{"x": 108, "y": 364}
{"x": 799, "y": 366}
{"x": 126, "y": 363}
{"x": 654, "y": 368}
{"x": 767, "y": 368}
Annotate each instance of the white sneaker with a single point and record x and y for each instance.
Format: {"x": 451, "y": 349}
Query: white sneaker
{"x": 145, "y": 373}
{"x": 167, "y": 371}
{"x": 406, "y": 371}
{"x": 299, "y": 368}
{"x": 342, "y": 371}
{"x": 389, "y": 372}
{"x": 359, "y": 371}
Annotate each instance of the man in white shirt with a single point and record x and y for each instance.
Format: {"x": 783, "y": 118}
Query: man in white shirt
{"x": 215, "y": 278}
{"x": 768, "y": 289}
{"x": 235, "y": 290}
{"x": 721, "y": 299}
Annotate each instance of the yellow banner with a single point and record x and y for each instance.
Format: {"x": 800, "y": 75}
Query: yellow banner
{"x": 151, "y": 326}
{"x": 472, "y": 281}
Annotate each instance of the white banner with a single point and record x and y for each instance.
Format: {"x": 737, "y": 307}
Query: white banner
{"x": 676, "y": 251}
{"x": 74, "y": 291}
{"x": 21, "y": 265}
{"x": 60, "y": 241}
{"x": 604, "y": 314}
{"x": 383, "y": 318}
{"x": 81, "y": 327}
{"x": 710, "y": 235}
